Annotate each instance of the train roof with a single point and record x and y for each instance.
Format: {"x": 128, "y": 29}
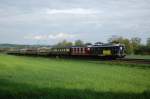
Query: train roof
{"x": 108, "y": 45}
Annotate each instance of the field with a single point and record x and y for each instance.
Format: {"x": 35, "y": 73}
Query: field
{"x": 24, "y": 77}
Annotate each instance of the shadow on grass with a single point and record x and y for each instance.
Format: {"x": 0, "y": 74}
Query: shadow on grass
{"x": 12, "y": 90}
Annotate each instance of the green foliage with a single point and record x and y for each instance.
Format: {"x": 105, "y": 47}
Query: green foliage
{"x": 64, "y": 43}
{"x": 47, "y": 78}
{"x": 133, "y": 46}
{"x": 88, "y": 43}
{"x": 143, "y": 49}
{"x": 79, "y": 43}
{"x": 148, "y": 42}
{"x": 135, "y": 42}
{"x": 117, "y": 39}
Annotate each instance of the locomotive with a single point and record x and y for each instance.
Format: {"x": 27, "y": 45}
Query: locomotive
{"x": 97, "y": 50}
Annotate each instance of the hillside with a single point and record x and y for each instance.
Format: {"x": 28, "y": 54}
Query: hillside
{"x": 21, "y": 46}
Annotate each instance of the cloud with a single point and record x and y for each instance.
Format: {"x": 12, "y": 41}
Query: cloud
{"x": 39, "y": 37}
{"x": 92, "y": 20}
{"x": 61, "y": 36}
{"x": 56, "y": 36}
{"x": 80, "y": 11}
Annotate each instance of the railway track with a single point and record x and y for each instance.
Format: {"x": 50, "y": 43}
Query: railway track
{"x": 136, "y": 61}
{"x": 121, "y": 60}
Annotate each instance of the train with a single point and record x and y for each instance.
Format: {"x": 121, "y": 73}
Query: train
{"x": 98, "y": 50}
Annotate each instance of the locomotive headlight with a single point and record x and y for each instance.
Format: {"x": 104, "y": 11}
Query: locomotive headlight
{"x": 121, "y": 48}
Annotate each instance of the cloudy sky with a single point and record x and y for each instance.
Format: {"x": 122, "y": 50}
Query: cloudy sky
{"x": 50, "y": 21}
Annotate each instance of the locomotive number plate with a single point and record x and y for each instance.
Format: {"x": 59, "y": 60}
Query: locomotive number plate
{"x": 106, "y": 52}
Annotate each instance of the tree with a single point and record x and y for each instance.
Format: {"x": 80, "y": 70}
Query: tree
{"x": 64, "y": 43}
{"x": 148, "y": 42}
{"x": 88, "y": 43}
{"x": 135, "y": 43}
{"x": 143, "y": 50}
{"x": 115, "y": 39}
{"x": 128, "y": 45}
{"x": 118, "y": 39}
{"x": 68, "y": 44}
{"x": 79, "y": 43}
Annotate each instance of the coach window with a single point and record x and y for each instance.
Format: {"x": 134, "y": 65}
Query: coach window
{"x": 83, "y": 50}
{"x": 80, "y": 50}
{"x": 74, "y": 50}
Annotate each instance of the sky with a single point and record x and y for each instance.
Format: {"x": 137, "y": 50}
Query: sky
{"x": 51, "y": 21}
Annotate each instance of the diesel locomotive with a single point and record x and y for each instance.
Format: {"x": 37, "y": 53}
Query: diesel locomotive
{"x": 98, "y": 50}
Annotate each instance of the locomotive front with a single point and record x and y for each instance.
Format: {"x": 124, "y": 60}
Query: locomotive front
{"x": 121, "y": 51}
{"x": 108, "y": 50}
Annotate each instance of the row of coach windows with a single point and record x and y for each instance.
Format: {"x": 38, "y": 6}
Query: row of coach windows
{"x": 82, "y": 50}
{"x": 99, "y": 49}
{"x": 63, "y": 50}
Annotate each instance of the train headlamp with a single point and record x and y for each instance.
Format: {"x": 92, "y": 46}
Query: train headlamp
{"x": 121, "y": 48}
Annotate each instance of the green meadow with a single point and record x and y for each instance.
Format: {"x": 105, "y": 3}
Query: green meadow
{"x": 23, "y": 77}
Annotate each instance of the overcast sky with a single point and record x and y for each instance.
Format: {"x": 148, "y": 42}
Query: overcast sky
{"x": 50, "y": 21}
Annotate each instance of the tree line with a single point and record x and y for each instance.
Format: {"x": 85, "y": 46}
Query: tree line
{"x": 133, "y": 45}
{"x": 66, "y": 43}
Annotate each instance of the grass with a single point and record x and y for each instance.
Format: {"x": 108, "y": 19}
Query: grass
{"x": 48, "y": 78}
